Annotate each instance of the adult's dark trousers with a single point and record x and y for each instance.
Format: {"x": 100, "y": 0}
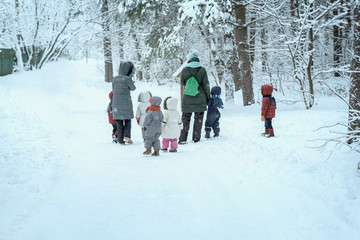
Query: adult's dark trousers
{"x": 114, "y": 128}
{"x": 123, "y": 129}
{"x": 198, "y": 120}
{"x": 268, "y": 123}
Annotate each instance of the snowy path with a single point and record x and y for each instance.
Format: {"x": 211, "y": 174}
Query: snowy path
{"x": 63, "y": 179}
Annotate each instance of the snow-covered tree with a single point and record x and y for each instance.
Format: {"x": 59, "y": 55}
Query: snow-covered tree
{"x": 354, "y": 96}
{"x": 38, "y": 30}
{"x": 297, "y": 41}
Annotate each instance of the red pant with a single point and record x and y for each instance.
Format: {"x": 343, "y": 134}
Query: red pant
{"x": 166, "y": 141}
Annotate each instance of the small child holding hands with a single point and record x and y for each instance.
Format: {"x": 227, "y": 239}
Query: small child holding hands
{"x": 171, "y": 126}
{"x": 213, "y": 113}
{"x": 152, "y": 126}
{"x": 268, "y": 109}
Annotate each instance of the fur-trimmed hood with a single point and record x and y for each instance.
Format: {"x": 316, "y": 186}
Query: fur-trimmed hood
{"x": 127, "y": 69}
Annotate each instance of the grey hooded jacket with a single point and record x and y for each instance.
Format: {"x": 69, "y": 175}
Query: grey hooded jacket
{"x": 153, "y": 119}
{"x": 121, "y": 86}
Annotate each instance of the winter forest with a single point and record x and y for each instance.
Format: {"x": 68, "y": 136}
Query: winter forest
{"x": 305, "y": 49}
{"x": 57, "y": 168}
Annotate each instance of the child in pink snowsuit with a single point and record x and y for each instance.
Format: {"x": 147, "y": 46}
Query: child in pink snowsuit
{"x": 172, "y": 125}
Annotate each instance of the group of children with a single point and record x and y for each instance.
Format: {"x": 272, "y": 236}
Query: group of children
{"x": 154, "y": 123}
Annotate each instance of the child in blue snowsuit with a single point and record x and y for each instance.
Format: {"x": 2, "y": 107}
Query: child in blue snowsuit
{"x": 213, "y": 113}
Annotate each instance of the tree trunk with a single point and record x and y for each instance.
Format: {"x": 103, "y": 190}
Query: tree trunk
{"x": 241, "y": 40}
{"x": 337, "y": 49}
{"x": 34, "y": 61}
{"x": 20, "y": 62}
{"x": 53, "y": 46}
{"x": 354, "y": 96}
{"x": 232, "y": 65}
{"x": 263, "y": 52}
{"x": 346, "y": 32}
{"x": 310, "y": 61}
{"x": 107, "y": 41}
{"x": 139, "y": 72}
{"x": 252, "y": 37}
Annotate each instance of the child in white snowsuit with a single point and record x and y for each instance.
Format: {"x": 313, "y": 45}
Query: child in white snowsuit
{"x": 213, "y": 113}
{"x": 172, "y": 125}
{"x": 143, "y": 104}
{"x": 152, "y": 126}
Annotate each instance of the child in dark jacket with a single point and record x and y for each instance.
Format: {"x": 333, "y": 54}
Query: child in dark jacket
{"x": 213, "y": 113}
{"x": 268, "y": 108}
{"x": 153, "y": 126}
{"x": 111, "y": 120}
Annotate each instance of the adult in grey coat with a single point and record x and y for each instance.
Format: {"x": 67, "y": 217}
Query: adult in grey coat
{"x": 153, "y": 126}
{"x": 122, "y": 105}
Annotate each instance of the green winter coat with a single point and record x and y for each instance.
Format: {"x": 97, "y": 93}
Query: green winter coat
{"x": 198, "y": 102}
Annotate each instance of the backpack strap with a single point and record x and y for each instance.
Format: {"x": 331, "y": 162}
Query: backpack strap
{"x": 195, "y": 74}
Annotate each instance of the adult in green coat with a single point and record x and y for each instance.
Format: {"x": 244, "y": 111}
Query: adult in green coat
{"x": 194, "y": 104}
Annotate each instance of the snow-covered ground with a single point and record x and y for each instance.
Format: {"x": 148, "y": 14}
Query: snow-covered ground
{"x": 62, "y": 178}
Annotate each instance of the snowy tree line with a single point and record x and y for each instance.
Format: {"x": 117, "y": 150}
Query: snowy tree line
{"x": 295, "y": 45}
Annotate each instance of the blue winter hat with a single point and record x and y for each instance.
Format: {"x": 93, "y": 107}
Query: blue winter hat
{"x": 193, "y": 54}
{"x": 216, "y": 90}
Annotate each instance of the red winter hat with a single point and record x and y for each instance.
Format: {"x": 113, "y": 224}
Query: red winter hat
{"x": 111, "y": 95}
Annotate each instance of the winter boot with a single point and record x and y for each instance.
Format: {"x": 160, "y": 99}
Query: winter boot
{"x": 172, "y": 150}
{"x": 216, "y": 134}
{"x": 207, "y": 135}
{"x": 128, "y": 140}
{"x": 271, "y": 133}
{"x": 266, "y": 132}
{"x": 164, "y": 149}
{"x": 156, "y": 153}
{"x": 147, "y": 152}
{"x": 114, "y": 138}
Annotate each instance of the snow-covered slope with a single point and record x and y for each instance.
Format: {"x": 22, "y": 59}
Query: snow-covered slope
{"x": 62, "y": 178}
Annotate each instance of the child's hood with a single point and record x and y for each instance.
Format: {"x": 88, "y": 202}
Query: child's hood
{"x": 266, "y": 90}
{"x": 144, "y": 97}
{"x": 215, "y": 90}
{"x": 172, "y": 104}
{"x": 155, "y": 101}
{"x": 111, "y": 95}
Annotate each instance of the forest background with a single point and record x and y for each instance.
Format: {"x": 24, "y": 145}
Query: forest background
{"x": 304, "y": 48}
